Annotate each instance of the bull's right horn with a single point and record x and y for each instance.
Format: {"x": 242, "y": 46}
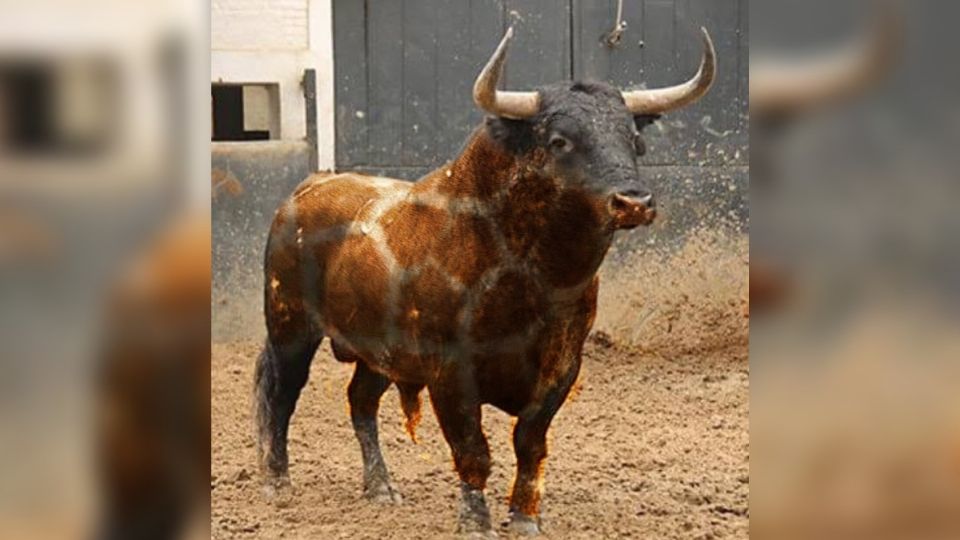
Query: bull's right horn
{"x": 515, "y": 105}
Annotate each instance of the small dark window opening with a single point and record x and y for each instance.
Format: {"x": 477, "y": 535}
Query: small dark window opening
{"x": 56, "y": 108}
{"x": 28, "y": 107}
{"x": 245, "y": 112}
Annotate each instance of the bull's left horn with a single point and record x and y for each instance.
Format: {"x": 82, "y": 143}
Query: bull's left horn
{"x": 515, "y": 105}
{"x": 661, "y": 100}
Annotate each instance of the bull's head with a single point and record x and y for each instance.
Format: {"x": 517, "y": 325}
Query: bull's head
{"x": 587, "y": 135}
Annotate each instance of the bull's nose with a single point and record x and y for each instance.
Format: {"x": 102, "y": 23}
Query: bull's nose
{"x": 643, "y": 197}
{"x": 632, "y": 208}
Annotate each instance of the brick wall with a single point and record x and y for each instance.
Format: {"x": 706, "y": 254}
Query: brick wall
{"x": 259, "y": 25}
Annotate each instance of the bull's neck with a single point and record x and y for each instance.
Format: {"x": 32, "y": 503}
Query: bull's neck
{"x": 561, "y": 233}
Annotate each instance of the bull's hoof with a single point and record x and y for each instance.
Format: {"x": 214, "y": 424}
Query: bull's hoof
{"x": 477, "y": 535}
{"x": 522, "y": 524}
{"x": 474, "y": 514}
{"x": 383, "y": 494}
{"x": 475, "y": 527}
{"x": 278, "y": 491}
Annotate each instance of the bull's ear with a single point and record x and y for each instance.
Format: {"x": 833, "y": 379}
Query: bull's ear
{"x": 644, "y": 120}
{"x": 514, "y": 135}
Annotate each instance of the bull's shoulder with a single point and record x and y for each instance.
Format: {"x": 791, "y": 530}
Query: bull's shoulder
{"x": 340, "y": 200}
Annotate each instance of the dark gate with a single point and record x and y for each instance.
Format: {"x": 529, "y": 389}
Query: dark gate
{"x": 405, "y": 69}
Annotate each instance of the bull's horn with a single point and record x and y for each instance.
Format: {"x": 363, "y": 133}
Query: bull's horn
{"x": 516, "y": 105}
{"x": 661, "y": 100}
{"x": 800, "y": 84}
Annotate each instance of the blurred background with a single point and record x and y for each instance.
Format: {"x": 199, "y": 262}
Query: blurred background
{"x": 855, "y": 371}
{"x": 103, "y": 127}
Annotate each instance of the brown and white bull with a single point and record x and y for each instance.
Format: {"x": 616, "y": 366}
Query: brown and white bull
{"x": 477, "y": 282}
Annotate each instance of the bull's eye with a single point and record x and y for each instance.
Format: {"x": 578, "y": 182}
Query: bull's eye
{"x": 560, "y": 144}
{"x": 639, "y": 146}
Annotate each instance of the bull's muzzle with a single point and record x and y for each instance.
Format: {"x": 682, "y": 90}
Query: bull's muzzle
{"x": 631, "y": 209}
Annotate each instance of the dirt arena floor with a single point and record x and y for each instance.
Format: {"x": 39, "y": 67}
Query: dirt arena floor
{"x": 655, "y": 444}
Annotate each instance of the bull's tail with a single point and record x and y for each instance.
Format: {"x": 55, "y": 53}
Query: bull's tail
{"x": 264, "y": 385}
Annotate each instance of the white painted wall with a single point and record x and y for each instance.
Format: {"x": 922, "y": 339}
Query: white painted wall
{"x": 321, "y": 44}
{"x": 259, "y": 25}
{"x": 273, "y": 42}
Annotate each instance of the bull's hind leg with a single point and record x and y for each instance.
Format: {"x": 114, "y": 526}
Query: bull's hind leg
{"x": 292, "y": 340}
{"x": 282, "y": 371}
{"x": 364, "y": 394}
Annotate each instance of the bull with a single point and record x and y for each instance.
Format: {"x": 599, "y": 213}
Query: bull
{"x": 478, "y": 282}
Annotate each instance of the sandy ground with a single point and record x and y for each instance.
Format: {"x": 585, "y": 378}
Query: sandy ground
{"x": 651, "y": 447}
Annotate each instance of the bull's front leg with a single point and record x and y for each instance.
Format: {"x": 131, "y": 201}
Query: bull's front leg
{"x": 530, "y": 446}
{"x": 457, "y": 406}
